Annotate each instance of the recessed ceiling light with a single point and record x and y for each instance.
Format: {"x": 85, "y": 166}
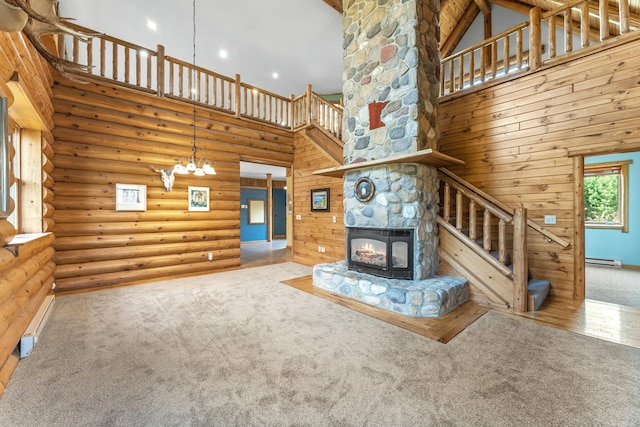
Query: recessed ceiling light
{"x": 152, "y": 25}
{"x": 223, "y": 53}
{"x": 274, "y": 75}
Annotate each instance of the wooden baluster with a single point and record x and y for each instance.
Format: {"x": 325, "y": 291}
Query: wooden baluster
{"x": 584, "y": 24}
{"x": 519, "y": 48}
{"x": 535, "y": 39}
{"x": 459, "y": 210}
{"x": 520, "y": 262}
{"x": 502, "y": 241}
{"x": 494, "y": 59}
{"x": 568, "y": 31}
{"x": 472, "y": 220}
{"x": 127, "y": 63}
{"x": 292, "y": 123}
{"x": 230, "y": 99}
{"x": 76, "y": 50}
{"x": 114, "y": 61}
{"x": 603, "y": 6}
{"x": 472, "y": 67}
{"x": 452, "y": 85}
{"x": 623, "y": 8}
{"x": 506, "y": 62}
{"x": 446, "y": 213}
{"x": 552, "y": 37}
{"x": 180, "y": 80}
{"x": 138, "y": 67}
{"x": 103, "y": 50}
{"x": 308, "y": 119}
{"x": 150, "y": 77}
{"x": 486, "y": 231}
{"x": 442, "y": 78}
{"x": 89, "y": 55}
{"x": 483, "y": 63}
{"x": 461, "y": 71}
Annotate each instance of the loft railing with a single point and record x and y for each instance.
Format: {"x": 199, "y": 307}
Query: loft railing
{"x": 569, "y": 29}
{"x": 113, "y": 60}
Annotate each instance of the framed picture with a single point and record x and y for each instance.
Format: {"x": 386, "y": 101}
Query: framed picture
{"x": 199, "y": 199}
{"x": 256, "y": 211}
{"x": 320, "y": 199}
{"x": 131, "y": 197}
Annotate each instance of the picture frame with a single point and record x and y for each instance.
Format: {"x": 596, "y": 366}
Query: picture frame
{"x": 199, "y": 199}
{"x": 256, "y": 211}
{"x": 364, "y": 189}
{"x": 131, "y": 197}
{"x": 320, "y": 200}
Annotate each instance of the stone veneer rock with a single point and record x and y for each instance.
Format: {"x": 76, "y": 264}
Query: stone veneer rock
{"x": 390, "y": 56}
{"x": 406, "y": 196}
{"x": 432, "y": 297}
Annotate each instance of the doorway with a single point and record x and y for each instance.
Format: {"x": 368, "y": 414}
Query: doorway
{"x": 611, "y": 198}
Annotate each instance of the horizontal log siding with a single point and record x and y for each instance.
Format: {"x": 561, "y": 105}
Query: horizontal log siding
{"x": 515, "y": 138}
{"x": 26, "y": 279}
{"x": 106, "y": 135}
{"x": 315, "y": 228}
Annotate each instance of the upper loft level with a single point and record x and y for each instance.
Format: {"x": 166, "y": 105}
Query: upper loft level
{"x": 546, "y": 38}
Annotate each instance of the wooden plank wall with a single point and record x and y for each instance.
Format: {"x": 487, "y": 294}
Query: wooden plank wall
{"x": 106, "y": 135}
{"x": 25, "y": 279}
{"x": 315, "y": 228}
{"x": 516, "y": 137}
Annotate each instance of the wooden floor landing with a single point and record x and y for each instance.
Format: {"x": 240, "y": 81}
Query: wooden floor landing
{"x": 610, "y": 322}
{"x": 441, "y": 329}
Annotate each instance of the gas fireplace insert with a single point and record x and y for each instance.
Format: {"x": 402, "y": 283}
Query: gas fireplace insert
{"x": 384, "y": 252}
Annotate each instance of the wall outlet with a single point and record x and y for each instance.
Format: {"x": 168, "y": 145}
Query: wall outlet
{"x": 335, "y": 219}
{"x": 322, "y": 249}
{"x": 210, "y": 256}
{"x": 319, "y": 248}
{"x": 298, "y": 217}
{"x": 549, "y": 219}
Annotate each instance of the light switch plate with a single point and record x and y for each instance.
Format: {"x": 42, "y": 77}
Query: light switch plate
{"x": 549, "y": 219}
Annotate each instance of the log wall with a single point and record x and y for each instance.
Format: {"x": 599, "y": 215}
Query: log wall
{"x": 26, "y": 275}
{"x": 106, "y": 135}
{"x": 315, "y": 229}
{"x": 518, "y": 139}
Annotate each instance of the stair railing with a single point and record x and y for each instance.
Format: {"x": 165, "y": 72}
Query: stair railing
{"x": 507, "y": 54}
{"x": 460, "y": 208}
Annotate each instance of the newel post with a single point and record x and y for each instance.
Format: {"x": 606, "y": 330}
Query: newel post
{"x": 308, "y": 118}
{"x": 520, "y": 260}
{"x": 535, "y": 39}
{"x": 160, "y": 71}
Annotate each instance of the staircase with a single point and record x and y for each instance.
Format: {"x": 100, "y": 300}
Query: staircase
{"x": 486, "y": 243}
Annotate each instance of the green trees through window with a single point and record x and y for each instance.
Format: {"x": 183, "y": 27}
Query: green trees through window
{"x": 606, "y": 195}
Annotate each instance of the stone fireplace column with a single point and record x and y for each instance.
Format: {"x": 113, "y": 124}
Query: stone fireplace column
{"x": 391, "y": 74}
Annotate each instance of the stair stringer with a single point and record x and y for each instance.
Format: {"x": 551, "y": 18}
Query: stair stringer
{"x": 326, "y": 143}
{"x": 497, "y": 287}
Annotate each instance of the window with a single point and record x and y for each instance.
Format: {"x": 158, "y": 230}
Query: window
{"x": 606, "y": 195}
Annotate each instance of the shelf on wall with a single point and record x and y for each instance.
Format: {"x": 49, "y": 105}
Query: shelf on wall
{"x": 428, "y": 157}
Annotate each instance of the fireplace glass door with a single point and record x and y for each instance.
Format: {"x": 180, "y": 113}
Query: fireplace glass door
{"x": 381, "y": 251}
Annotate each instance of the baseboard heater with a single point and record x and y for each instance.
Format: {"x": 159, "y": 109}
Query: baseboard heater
{"x": 30, "y": 336}
{"x": 605, "y": 262}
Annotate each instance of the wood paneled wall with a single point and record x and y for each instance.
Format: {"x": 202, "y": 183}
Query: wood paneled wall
{"x": 106, "y": 135}
{"x": 315, "y": 228}
{"x": 25, "y": 279}
{"x": 517, "y": 139}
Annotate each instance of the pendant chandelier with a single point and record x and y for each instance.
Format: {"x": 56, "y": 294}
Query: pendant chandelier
{"x": 202, "y": 166}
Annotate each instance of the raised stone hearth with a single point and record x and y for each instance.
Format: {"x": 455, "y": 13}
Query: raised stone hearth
{"x": 431, "y": 297}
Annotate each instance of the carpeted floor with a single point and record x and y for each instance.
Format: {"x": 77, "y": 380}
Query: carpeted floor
{"x": 614, "y": 285}
{"x": 240, "y": 349}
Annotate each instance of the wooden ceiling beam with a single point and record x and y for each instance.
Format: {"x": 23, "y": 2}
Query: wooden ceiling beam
{"x": 447, "y": 46}
{"x": 336, "y": 4}
{"x": 483, "y": 6}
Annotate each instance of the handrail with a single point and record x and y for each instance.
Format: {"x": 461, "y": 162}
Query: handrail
{"x": 505, "y": 207}
{"x": 494, "y": 58}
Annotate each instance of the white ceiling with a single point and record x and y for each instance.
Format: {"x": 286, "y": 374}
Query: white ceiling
{"x": 301, "y": 40}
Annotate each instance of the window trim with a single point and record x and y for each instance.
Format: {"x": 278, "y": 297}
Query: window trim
{"x": 623, "y": 199}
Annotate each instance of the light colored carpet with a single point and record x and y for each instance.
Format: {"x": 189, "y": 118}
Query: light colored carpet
{"x": 239, "y": 348}
{"x": 614, "y": 285}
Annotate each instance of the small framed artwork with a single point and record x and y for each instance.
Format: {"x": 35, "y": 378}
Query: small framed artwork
{"x": 199, "y": 199}
{"x": 131, "y": 197}
{"x": 320, "y": 200}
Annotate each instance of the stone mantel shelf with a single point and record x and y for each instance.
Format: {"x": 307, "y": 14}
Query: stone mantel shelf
{"x": 428, "y": 157}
